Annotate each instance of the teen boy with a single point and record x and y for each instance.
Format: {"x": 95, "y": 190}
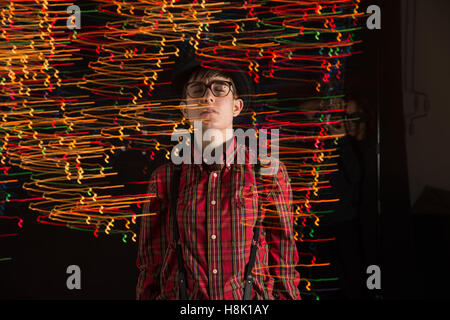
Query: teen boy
{"x": 217, "y": 211}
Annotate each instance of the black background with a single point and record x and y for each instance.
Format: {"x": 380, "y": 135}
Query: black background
{"x": 42, "y": 253}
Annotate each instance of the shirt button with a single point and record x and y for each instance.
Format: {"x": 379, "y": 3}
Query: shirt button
{"x": 213, "y": 202}
{"x": 215, "y": 175}
{"x": 213, "y": 237}
{"x": 215, "y": 271}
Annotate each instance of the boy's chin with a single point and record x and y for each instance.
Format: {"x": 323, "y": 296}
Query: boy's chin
{"x": 208, "y": 124}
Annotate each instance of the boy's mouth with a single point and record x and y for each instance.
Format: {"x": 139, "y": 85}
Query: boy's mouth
{"x": 208, "y": 111}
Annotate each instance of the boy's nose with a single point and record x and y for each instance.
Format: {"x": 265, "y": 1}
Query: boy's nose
{"x": 208, "y": 97}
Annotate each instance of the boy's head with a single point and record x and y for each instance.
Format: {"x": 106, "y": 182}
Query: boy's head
{"x": 211, "y": 96}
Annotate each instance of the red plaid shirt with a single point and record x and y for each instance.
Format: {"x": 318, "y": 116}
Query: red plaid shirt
{"x": 217, "y": 209}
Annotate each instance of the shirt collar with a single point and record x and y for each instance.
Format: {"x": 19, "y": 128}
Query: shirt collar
{"x": 230, "y": 155}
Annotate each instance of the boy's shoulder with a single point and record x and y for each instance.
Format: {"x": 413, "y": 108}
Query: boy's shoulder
{"x": 162, "y": 169}
{"x": 160, "y": 180}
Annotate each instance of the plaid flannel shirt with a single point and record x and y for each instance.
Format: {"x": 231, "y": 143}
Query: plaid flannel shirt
{"x": 217, "y": 209}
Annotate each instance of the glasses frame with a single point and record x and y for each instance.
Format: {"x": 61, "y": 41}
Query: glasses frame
{"x": 357, "y": 117}
{"x": 209, "y": 86}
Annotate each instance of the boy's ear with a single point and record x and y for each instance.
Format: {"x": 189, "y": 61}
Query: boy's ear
{"x": 237, "y": 107}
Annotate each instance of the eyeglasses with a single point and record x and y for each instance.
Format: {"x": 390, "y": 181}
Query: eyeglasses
{"x": 219, "y": 88}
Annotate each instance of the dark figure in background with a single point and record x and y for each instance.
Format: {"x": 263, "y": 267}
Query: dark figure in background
{"x": 353, "y": 222}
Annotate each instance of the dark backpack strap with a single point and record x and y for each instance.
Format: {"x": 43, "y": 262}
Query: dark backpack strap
{"x": 253, "y": 249}
{"x": 174, "y": 199}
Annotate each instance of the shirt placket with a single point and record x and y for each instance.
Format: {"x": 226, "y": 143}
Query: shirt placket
{"x": 215, "y": 267}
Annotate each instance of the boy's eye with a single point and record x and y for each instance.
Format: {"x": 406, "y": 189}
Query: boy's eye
{"x": 196, "y": 88}
{"x": 219, "y": 86}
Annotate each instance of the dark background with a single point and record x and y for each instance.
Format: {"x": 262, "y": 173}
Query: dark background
{"x": 411, "y": 250}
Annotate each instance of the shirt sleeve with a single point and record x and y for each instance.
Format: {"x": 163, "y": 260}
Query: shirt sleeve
{"x": 283, "y": 254}
{"x": 149, "y": 258}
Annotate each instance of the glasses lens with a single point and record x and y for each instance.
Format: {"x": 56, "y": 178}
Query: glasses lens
{"x": 195, "y": 90}
{"x": 220, "y": 88}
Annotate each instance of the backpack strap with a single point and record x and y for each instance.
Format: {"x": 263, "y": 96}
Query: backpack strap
{"x": 174, "y": 199}
{"x": 254, "y": 248}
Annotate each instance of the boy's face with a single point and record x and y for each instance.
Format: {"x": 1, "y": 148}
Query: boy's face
{"x": 355, "y": 129}
{"x": 214, "y": 112}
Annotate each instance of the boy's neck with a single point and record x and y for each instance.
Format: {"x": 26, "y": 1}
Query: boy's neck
{"x": 218, "y": 140}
